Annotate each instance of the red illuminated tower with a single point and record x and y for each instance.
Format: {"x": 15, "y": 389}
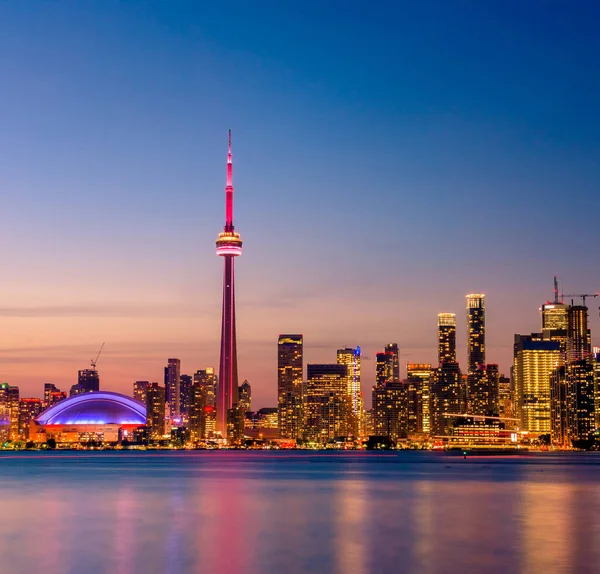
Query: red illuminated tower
{"x": 229, "y": 245}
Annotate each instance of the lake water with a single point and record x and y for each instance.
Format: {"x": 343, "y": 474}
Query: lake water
{"x": 258, "y": 512}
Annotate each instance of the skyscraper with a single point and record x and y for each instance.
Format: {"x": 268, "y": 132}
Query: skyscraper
{"x": 173, "y": 388}
{"x": 88, "y": 380}
{"x": 289, "y": 385}
{"x": 155, "y": 411}
{"x": 476, "y": 331}
{"x": 197, "y": 411}
{"x": 534, "y": 361}
{"x": 477, "y": 392}
{"x": 418, "y": 397}
{"x": 185, "y": 385}
{"x": 9, "y": 411}
{"x": 139, "y": 390}
{"x": 446, "y": 337}
{"x": 245, "y": 393}
{"x": 327, "y": 404}
{"x": 229, "y": 246}
{"x": 207, "y": 379}
{"x": 29, "y": 408}
{"x": 578, "y": 335}
{"x": 446, "y": 396}
{"x": 351, "y": 358}
{"x": 392, "y": 362}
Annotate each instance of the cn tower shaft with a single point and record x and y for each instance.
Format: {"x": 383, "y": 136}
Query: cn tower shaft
{"x": 229, "y": 246}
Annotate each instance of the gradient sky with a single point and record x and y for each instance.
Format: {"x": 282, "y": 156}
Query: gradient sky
{"x": 389, "y": 158}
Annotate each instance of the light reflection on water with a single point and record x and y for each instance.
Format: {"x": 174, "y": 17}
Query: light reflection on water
{"x": 356, "y": 513}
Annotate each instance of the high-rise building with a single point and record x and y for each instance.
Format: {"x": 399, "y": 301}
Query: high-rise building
{"x": 49, "y": 394}
{"x": 208, "y": 380}
{"x": 173, "y": 388}
{"x": 476, "y": 331}
{"x": 554, "y": 323}
{"x": 418, "y": 399}
{"x": 446, "y": 397}
{"x": 185, "y": 385}
{"x": 351, "y": 358}
{"x": 245, "y": 394}
{"x": 197, "y": 411}
{"x": 573, "y": 410}
{"x": 139, "y": 390}
{"x": 533, "y": 363}
{"x": 446, "y": 337}
{"x": 389, "y": 396}
{"x": 290, "y": 386}
{"x": 9, "y": 412}
{"x": 229, "y": 246}
{"x": 29, "y": 408}
{"x": 477, "y": 395}
{"x": 88, "y": 380}
{"x": 327, "y": 404}
{"x": 155, "y": 411}
{"x": 505, "y": 400}
{"x": 578, "y": 335}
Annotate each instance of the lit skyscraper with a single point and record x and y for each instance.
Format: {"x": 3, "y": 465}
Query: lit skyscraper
{"x": 351, "y": 358}
{"x": 229, "y": 246}
{"x": 534, "y": 361}
{"x": 185, "y": 385}
{"x": 9, "y": 411}
{"x": 418, "y": 397}
{"x": 245, "y": 393}
{"x": 207, "y": 379}
{"x": 155, "y": 411}
{"x": 327, "y": 404}
{"x": 88, "y": 380}
{"x": 477, "y": 391}
{"x": 29, "y": 408}
{"x": 289, "y": 385}
{"x": 446, "y": 337}
{"x": 578, "y": 335}
{"x": 173, "y": 388}
{"x": 446, "y": 396}
{"x": 139, "y": 390}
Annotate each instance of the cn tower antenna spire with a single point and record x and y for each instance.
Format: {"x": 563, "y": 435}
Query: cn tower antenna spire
{"x": 229, "y": 190}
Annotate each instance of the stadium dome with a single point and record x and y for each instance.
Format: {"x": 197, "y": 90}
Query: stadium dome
{"x": 95, "y": 408}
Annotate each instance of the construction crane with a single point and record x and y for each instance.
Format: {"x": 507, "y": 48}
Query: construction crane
{"x": 582, "y": 296}
{"x": 94, "y": 361}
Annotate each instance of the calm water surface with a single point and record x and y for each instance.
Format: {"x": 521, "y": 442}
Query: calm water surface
{"x": 274, "y": 512}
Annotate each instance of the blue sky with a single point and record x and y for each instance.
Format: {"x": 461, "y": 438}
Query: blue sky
{"x": 388, "y": 159}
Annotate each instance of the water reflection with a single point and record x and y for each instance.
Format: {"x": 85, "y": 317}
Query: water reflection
{"x": 231, "y": 513}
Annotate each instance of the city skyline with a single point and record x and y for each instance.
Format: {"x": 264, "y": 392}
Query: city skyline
{"x": 92, "y": 260}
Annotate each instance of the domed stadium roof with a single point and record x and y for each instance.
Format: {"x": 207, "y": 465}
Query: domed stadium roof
{"x": 99, "y": 408}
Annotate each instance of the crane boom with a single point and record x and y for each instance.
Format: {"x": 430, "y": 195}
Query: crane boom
{"x": 94, "y": 361}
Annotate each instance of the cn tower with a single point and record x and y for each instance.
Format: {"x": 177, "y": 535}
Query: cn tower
{"x": 229, "y": 246}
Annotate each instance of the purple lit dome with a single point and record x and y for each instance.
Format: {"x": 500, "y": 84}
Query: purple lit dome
{"x": 100, "y": 408}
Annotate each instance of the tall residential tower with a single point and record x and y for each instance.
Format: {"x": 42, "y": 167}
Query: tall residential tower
{"x": 289, "y": 386}
{"x": 229, "y": 246}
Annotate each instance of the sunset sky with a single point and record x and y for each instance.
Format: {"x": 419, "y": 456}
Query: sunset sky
{"x": 389, "y": 158}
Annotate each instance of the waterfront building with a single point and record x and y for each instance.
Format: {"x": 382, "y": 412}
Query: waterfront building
{"x": 197, "y": 411}
{"x": 173, "y": 389}
{"x": 421, "y": 371}
{"x": 208, "y": 379}
{"x": 446, "y": 337}
{"x": 290, "y": 386}
{"x": 9, "y": 412}
{"x": 327, "y": 404}
{"x": 390, "y": 413}
{"x": 229, "y": 246}
{"x": 89, "y": 417}
{"x": 29, "y": 408}
{"x": 534, "y": 359}
{"x": 52, "y": 394}
{"x": 505, "y": 399}
{"x": 155, "y": 411}
{"x": 572, "y": 403}
{"x": 351, "y": 358}
{"x": 446, "y": 397}
{"x": 555, "y": 323}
